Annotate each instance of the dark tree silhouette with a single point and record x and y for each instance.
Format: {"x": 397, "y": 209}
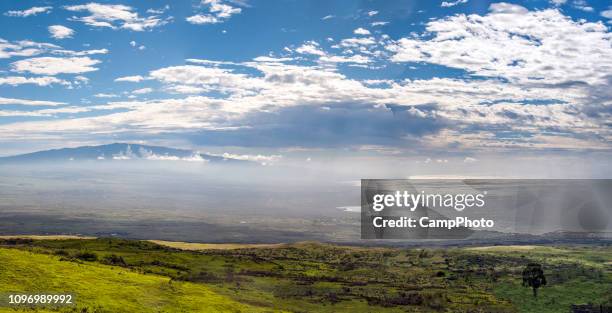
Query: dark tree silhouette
{"x": 533, "y": 276}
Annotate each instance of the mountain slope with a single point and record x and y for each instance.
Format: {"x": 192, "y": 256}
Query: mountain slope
{"x": 116, "y": 151}
{"x": 103, "y": 288}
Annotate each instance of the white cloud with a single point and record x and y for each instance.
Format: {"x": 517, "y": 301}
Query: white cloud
{"x": 262, "y": 159}
{"x": 142, "y": 91}
{"x": 271, "y": 59}
{"x": 23, "y": 48}
{"x": 507, "y": 8}
{"x": 372, "y": 13}
{"x": 60, "y": 32}
{"x": 185, "y": 89}
{"x": 29, "y": 12}
{"x": 374, "y": 24}
{"x": 310, "y": 47}
{"x": 582, "y": 5}
{"x": 54, "y": 66}
{"x": 357, "y": 42}
{"x": 28, "y": 102}
{"x": 218, "y": 11}
{"x": 81, "y": 80}
{"x": 106, "y": 95}
{"x": 361, "y": 31}
{"x": 206, "y": 78}
{"x": 27, "y": 48}
{"x": 115, "y": 16}
{"x": 200, "y": 19}
{"x": 327, "y": 17}
{"x": 535, "y": 70}
{"x": 607, "y": 14}
{"x": 358, "y": 59}
{"x": 40, "y": 81}
{"x": 221, "y": 9}
{"x": 159, "y": 11}
{"x": 79, "y": 53}
{"x": 558, "y": 2}
{"x": 133, "y": 79}
{"x": 469, "y": 160}
{"x": 135, "y": 45}
{"x": 281, "y": 85}
{"x": 446, "y": 4}
{"x": 538, "y": 47}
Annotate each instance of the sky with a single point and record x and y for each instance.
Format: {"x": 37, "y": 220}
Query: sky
{"x": 432, "y": 80}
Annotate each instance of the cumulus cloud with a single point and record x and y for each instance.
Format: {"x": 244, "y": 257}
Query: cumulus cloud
{"x": 29, "y": 12}
{"x": 23, "y": 48}
{"x": 537, "y": 47}
{"x": 310, "y": 47}
{"x": 133, "y": 79}
{"x": 115, "y": 16}
{"x": 27, "y": 48}
{"x": 361, "y": 31}
{"x": 507, "y": 8}
{"x": 54, "y": 65}
{"x": 60, "y": 32}
{"x": 199, "y": 19}
{"x": 541, "y": 83}
{"x": 218, "y": 11}
{"x": 39, "y": 81}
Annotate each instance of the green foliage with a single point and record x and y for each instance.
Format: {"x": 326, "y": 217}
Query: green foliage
{"x": 533, "y": 276}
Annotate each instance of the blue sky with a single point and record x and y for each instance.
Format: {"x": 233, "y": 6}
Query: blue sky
{"x": 386, "y": 77}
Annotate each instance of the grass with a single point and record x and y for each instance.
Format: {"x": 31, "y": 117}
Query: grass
{"x": 555, "y": 298}
{"x": 101, "y": 288}
{"x": 307, "y": 277}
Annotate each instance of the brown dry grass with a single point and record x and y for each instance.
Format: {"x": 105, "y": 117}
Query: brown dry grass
{"x": 211, "y": 246}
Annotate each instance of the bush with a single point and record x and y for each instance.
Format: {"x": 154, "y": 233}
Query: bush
{"x": 86, "y": 256}
{"x": 114, "y": 260}
{"x": 62, "y": 252}
{"x": 201, "y": 277}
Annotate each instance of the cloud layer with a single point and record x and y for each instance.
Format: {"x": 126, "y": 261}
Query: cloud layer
{"x": 511, "y": 78}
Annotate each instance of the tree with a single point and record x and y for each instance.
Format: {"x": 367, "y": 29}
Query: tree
{"x": 533, "y": 276}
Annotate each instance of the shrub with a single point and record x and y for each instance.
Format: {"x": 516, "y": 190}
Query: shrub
{"x": 114, "y": 260}
{"x": 86, "y": 256}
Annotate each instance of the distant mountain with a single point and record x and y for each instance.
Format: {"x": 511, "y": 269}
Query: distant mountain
{"x": 117, "y": 151}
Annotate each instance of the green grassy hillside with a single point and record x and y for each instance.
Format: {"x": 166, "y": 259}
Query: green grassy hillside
{"x": 112, "y": 275}
{"x": 103, "y": 288}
